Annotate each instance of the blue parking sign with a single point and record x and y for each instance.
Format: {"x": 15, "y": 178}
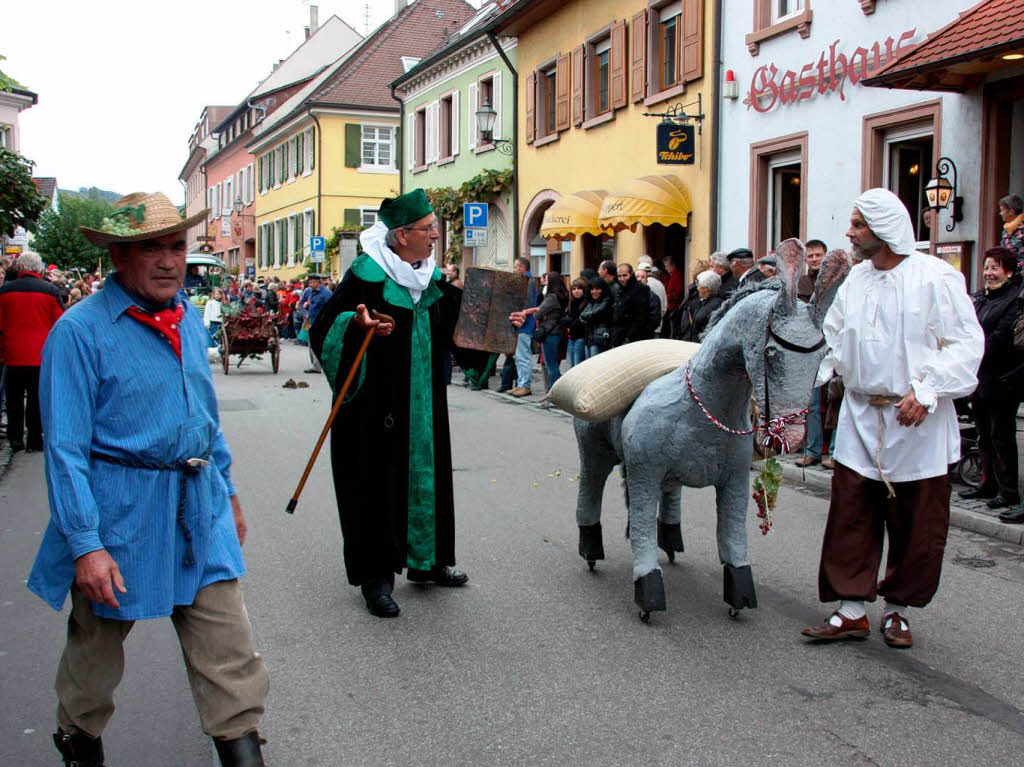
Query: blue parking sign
{"x": 474, "y": 214}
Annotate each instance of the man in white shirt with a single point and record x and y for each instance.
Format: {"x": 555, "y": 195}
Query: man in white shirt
{"x": 905, "y": 338}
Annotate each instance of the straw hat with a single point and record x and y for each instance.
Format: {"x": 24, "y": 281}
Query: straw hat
{"x": 158, "y": 216}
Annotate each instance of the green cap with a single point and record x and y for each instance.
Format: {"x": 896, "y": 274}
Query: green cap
{"x": 405, "y": 209}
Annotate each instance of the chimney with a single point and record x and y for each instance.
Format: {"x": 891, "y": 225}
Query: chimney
{"x": 314, "y": 19}
{"x": 305, "y": 31}
{"x": 399, "y": 5}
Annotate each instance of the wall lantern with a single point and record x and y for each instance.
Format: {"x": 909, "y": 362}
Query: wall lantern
{"x": 485, "y": 117}
{"x": 940, "y": 191}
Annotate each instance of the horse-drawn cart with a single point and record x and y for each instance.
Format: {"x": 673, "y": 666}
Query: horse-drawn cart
{"x": 249, "y": 332}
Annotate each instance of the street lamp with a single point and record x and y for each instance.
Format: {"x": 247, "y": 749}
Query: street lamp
{"x": 237, "y": 205}
{"x": 485, "y": 117}
{"x": 940, "y": 190}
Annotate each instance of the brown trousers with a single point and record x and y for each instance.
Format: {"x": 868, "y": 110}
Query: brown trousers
{"x": 228, "y": 679}
{"x": 860, "y": 513}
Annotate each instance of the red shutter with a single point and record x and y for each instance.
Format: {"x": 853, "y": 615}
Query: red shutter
{"x": 638, "y": 57}
{"x": 617, "y": 67}
{"x": 577, "y": 85}
{"x": 693, "y": 40}
{"x": 562, "y": 80}
{"x": 531, "y": 107}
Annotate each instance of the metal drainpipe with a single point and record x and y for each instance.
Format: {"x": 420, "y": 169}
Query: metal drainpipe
{"x": 320, "y": 175}
{"x": 399, "y": 154}
{"x": 515, "y": 143}
{"x": 716, "y": 111}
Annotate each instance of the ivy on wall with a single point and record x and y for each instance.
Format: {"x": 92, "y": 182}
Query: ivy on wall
{"x": 447, "y": 203}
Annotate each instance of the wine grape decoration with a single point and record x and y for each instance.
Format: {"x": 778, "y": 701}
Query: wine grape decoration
{"x": 124, "y": 222}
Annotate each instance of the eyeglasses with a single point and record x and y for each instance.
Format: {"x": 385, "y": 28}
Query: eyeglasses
{"x": 431, "y": 227}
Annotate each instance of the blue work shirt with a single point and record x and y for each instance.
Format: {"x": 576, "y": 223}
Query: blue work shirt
{"x": 110, "y": 385}
{"x": 317, "y": 300}
{"x": 531, "y": 301}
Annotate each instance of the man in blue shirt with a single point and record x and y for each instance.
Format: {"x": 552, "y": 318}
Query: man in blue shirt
{"x": 145, "y": 521}
{"x": 314, "y": 298}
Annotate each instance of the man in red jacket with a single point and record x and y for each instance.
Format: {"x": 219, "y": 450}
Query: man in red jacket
{"x": 29, "y": 306}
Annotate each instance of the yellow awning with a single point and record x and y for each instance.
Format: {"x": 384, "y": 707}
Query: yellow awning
{"x": 573, "y": 215}
{"x": 646, "y": 200}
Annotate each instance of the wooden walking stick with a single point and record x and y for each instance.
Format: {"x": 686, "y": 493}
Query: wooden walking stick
{"x": 337, "y": 406}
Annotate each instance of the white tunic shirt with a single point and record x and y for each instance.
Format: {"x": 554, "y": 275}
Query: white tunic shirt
{"x": 912, "y": 327}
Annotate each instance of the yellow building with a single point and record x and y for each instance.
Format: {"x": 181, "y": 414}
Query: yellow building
{"x": 592, "y": 183}
{"x": 331, "y": 152}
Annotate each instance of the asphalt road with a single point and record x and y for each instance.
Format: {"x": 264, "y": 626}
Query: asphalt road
{"x": 538, "y": 661}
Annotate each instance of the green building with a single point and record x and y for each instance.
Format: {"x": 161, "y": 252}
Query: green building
{"x": 443, "y": 148}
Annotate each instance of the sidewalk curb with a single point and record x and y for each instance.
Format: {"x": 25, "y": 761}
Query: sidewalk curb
{"x": 965, "y": 519}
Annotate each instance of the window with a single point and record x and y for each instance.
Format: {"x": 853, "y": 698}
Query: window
{"x": 778, "y": 17}
{"x": 778, "y": 188}
{"x": 282, "y": 163}
{"x": 376, "y": 147}
{"x": 548, "y": 99}
{"x": 783, "y": 8}
{"x": 281, "y": 237}
{"x": 446, "y": 128}
{"x": 233, "y": 257}
{"x": 667, "y": 36}
{"x": 602, "y": 65}
{"x": 367, "y": 217}
{"x": 783, "y": 193}
{"x": 251, "y": 183}
{"x": 5, "y": 137}
{"x": 294, "y": 235}
{"x": 228, "y": 199}
{"x": 271, "y": 173}
{"x": 309, "y": 150}
{"x": 908, "y": 168}
{"x": 307, "y": 229}
{"x": 300, "y": 152}
{"x": 420, "y": 145}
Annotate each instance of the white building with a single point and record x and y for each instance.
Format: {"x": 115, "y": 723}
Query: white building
{"x": 804, "y": 135}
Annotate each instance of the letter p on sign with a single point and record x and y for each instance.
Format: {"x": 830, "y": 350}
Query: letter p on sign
{"x": 474, "y": 214}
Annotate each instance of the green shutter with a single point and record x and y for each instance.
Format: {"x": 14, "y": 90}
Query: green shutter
{"x": 300, "y": 153}
{"x": 352, "y": 217}
{"x": 312, "y": 148}
{"x": 353, "y": 145}
{"x": 261, "y": 174}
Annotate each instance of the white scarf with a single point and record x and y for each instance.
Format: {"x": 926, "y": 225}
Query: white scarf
{"x": 888, "y": 218}
{"x": 402, "y": 272}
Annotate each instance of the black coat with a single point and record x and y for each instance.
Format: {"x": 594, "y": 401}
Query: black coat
{"x": 997, "y": 311}
{"x": 598, "y": 317}
{"x": 632, "y": 312}
{"x": 729, "y": 285}
{"x": 370, "y": 438}
{"x": 572, "y": 322}
{"x": 696, "y": 316}
{"x": 549, "y": 317}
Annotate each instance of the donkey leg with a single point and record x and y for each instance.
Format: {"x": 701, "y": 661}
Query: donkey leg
{"x": 738, "y": 580}
{"x": 597, "y": 460}
{"x": 644, "y": 492}
{"x": 670, "y": 535}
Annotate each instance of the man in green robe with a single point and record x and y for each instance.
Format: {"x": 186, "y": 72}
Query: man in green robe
{"x": 390, "y": 444}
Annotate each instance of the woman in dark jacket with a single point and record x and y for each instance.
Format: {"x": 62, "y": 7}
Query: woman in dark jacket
{"x": 573, "y": 323}
{"x": 549, "y": 323}
{"x": 698, "y": 310}
{"x": 995, "y": 402}
{"x": 597, "y": 316}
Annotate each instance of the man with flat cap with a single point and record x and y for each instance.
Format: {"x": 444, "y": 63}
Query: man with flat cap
{"x": 905, "y": 338}
{"x": 390, "y": 445}
{"x": 741, "y": 263}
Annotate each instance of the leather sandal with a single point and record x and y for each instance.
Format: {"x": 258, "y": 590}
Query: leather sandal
{"x": 847, "y": 629}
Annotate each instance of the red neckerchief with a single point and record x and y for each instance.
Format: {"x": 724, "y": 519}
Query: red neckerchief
{"x": 166, "y": 322}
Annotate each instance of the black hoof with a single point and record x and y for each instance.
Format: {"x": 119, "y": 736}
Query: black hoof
{"x": 649, "y": 592}
{"x": 670, "y": 539}
{"x": 645, "y": 617}
{"x": 591, "y": 544}
{"x": 739, "y": 587}
{"x": 592, "y": 565}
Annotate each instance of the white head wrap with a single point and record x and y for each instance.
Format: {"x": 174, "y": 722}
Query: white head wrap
{"x": 402, "y": 272}
{"x": 888, "y": 218}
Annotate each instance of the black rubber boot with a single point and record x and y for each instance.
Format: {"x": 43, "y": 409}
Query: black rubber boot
{"x": 240, "y": 752}
{"x": 591, "y": 542}
{"x": 739, "y": 587}
{"x": 670, "y": 538}
{"x": 649, "y": 592}
{"x": 79, "y": 750}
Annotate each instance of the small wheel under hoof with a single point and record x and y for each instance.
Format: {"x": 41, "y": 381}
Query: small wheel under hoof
{"x": 592, "y": 564}
{"x": 671, "y": 556}
{"x": 645, "y": 616}
{"x": 733, "y": 613}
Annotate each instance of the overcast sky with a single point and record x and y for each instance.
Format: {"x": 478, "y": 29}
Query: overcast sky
{"x": 121, "y": 84}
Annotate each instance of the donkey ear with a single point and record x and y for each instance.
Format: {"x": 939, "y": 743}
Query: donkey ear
{"x": 789, "y": 258}
{"x": 833, "y": 271}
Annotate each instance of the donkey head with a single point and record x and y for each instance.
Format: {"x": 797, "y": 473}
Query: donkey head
{"x": 782, "y": 366}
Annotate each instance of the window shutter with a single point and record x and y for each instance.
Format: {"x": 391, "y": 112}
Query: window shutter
{"x": 692, "y": 57}
{"x": 352, "y": 217}
{"x": 311, "y": 149}
{"x": 456, "y": 119}
{"x": 619, "y": 94}
{"x": 252, "y": 183}
{"x": 562, "y": 94}
{"x": 496, "y": 99}
{"x": 353, "y": 145}
{"x": 263, "y": 178}
{"x": 300, "y": 153}
{"x": 473, "y": 88}
{"x": 434, "y": 116}
{"x": 410, "y": 132}
{"x": 638, "y": 57}
{"x": 531, "y": 107}
{"x": 577, "y": 86}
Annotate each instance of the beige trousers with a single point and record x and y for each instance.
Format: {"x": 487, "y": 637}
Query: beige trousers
{"x": 228, "y": 679}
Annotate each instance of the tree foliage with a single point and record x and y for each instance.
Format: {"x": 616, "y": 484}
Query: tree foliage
{"x": 58, "y": 239}
{"x": 8, "y": 83}
{"x": 20, "y": 203}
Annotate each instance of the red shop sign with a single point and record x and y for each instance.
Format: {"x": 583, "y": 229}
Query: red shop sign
{"x": 829, "y": 73}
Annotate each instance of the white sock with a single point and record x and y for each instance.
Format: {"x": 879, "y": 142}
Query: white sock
{"x": 849, "y": 609}
{"x": 889, "y": 609}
